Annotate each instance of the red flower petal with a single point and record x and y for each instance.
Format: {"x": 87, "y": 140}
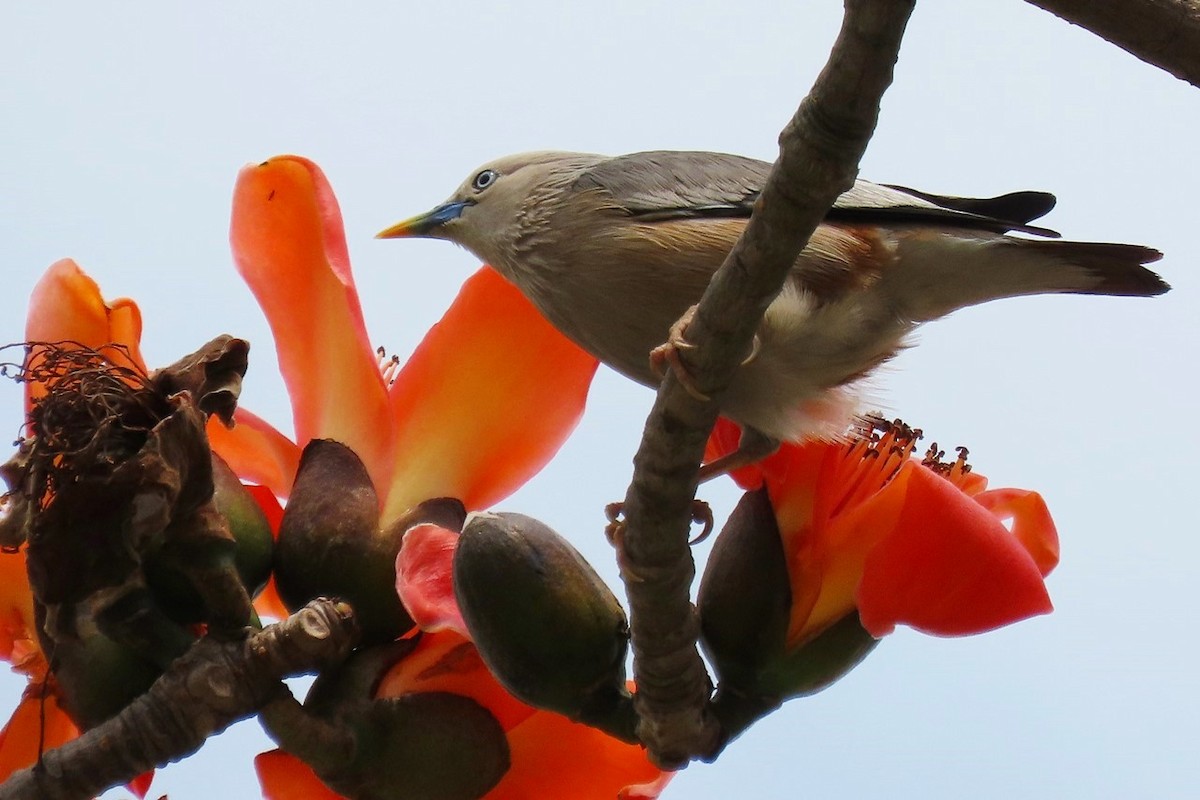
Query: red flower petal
{"x": 424, "y": 578}
{"x": 551, "y": 756}
{"x": 485, "y": 400}
{"x": 1031, "y": 522}
{"x": 256, "y": 451}
{"x": 289, "y": 246}
{"x": 25, "y": 730}
{"x": 285, "y": 777}
{"x": 448, "y": 662}
{"x": 141, "y": 784}
{"x": 66, "y": 305}
{"x": 949, "y": 567}
{"x": 18, "y": 644}
{"x": 724, "y": 440}
{"x": 554, "y": 757}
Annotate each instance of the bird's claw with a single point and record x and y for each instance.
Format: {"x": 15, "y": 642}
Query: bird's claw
{"x": 755, "y": 346}
{"x": 667, "y": 355}
{"x": 614, "y": 531}
{"x": 701, "y": 513}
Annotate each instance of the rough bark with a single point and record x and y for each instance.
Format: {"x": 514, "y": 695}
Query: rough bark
{"x": 1165, "y": 33}
{"x": 819, "y": 153}
{"x": 211, "y": 686}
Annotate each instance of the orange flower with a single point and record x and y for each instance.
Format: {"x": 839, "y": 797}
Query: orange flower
{"x": 483, "y": 403}
{"x": 865, "y": 526}
{"x": 487, "y": 398}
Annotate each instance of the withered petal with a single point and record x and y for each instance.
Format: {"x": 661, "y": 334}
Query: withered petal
{"x": 213, "y": 374}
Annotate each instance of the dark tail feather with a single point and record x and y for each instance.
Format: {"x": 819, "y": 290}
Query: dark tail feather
{"x": 1118, "y": 269}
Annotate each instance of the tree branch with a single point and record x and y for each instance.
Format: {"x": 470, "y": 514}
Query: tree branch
{"x": 1165, "y": 33}
{"x": 203, "y": 691}
{"x": 819, "y": 154}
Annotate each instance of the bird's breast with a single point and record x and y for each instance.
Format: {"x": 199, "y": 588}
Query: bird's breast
{"x": 615, "y": 286}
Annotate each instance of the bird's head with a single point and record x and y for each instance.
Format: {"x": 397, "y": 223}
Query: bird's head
{"x": 485, "y": 212}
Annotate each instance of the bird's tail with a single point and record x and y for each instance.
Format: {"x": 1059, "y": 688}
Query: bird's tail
{"x": 936, "y": 275}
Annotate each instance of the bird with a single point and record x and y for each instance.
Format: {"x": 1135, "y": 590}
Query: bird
{"x": 614, "y": 250}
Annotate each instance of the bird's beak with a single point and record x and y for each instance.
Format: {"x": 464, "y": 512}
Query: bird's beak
{"x": 426, "y": 225}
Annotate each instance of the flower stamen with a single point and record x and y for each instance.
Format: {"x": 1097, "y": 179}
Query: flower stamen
{"x": 874, "y": 456}
{"x": 389, "y": 368}
{"x": 954, "y": 471}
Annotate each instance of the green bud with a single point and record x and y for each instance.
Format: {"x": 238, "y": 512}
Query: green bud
{"x": 248, "y": 524}
{"x": 545, "y": 623}
{"x": 97, "y": 675}
{"x": 820, "y": 662}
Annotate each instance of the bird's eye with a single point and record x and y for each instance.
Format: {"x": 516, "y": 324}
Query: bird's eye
{"x": 484, "y": 179}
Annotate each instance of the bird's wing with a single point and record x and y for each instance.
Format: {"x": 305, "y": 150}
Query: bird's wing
{"x": 669, "y": 185}
{"x": 883, "y": 204}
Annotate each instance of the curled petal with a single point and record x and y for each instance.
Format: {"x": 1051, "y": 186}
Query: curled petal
{"x": 949, "y": 567}
{"x": 424, "y": 572}
{"x": 66, "y": 305}
{"x": 485, "y": 401}
{"x": 285, "y": 777}
{"x": 290, "y": 248}
{"x": 256, "y": 451}
{"x": 1031, "y": 522}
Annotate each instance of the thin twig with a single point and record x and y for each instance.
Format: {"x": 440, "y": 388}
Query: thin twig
{"x": 1165, "y": 33}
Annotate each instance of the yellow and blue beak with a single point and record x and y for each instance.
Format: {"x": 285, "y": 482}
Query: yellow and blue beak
{"x": 426, "y": 225}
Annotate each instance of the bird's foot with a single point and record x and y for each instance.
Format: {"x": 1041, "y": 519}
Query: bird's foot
{"x": 614, "y": 531}
{"x": 667, "y": 356}
{"x": 701, "y": 515}
{"x": 753, "y": 446}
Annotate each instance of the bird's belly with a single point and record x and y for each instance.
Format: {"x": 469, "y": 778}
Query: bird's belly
{"x": 620, "y": 335}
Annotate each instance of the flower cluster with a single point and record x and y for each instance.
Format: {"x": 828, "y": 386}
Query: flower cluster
{"x": 835, "y": 544}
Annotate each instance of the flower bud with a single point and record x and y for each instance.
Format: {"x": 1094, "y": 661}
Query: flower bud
{"x": 97, "y": 676}
{"x": 417, "y": 745}
{"x": 330, "y": 543}
{"x": 745, "y": 604}
{"x": 745, "y": 597}
{"x": 545, "y": 624}
{"x": 248, "y": 524}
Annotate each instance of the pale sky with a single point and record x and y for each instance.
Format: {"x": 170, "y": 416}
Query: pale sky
{"x": 125, "y": 127}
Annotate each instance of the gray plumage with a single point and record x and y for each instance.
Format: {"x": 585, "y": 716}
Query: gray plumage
{"x": 615, "y": 250}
